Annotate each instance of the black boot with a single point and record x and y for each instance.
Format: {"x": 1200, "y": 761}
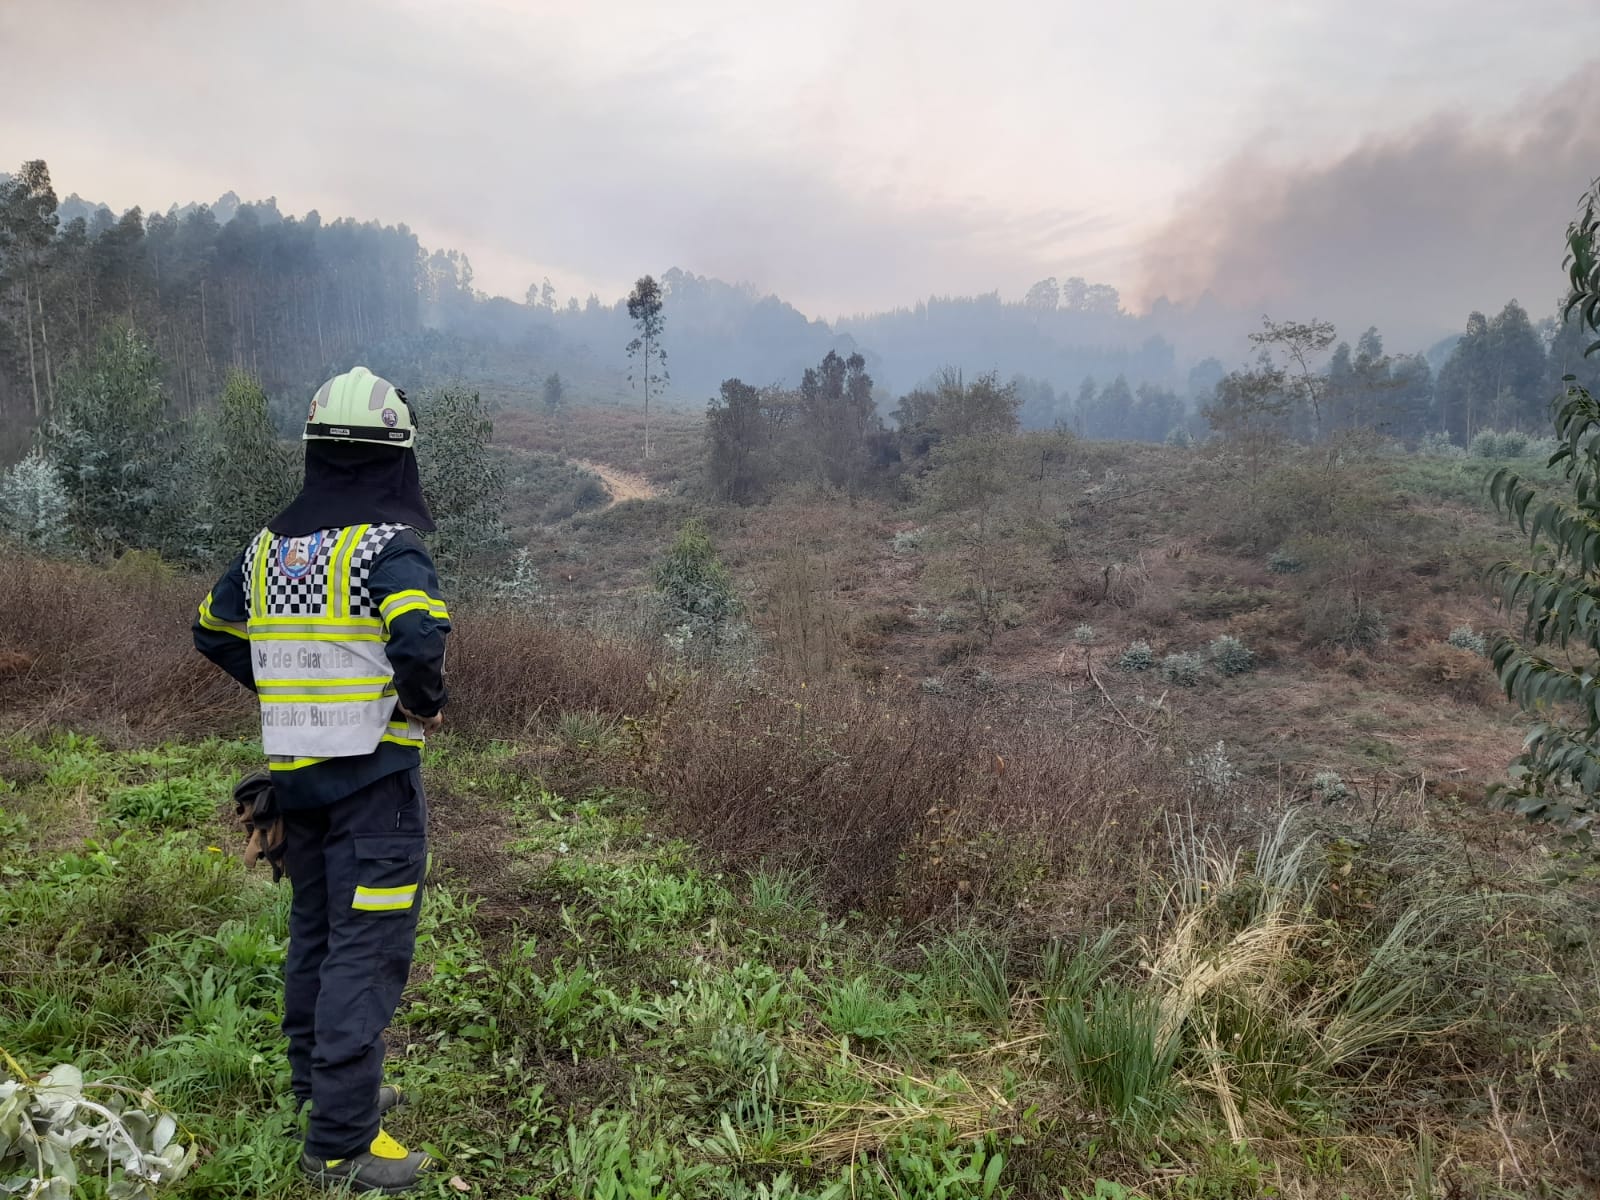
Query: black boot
{"x": 385, "y": 1167}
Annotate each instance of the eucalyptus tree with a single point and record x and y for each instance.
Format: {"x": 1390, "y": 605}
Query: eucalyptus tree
{"x": 1552, "y": 669}
{"x": 645, "y": 304}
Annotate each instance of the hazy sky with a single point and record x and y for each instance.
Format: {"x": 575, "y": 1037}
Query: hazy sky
{"x": 852, "y": 156}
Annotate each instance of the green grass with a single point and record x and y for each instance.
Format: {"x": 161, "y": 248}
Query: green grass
{"x": 654, "y": 1027}
{"x": 1462, "y": 481}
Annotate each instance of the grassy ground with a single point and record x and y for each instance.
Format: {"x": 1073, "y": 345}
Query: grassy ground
{"x": 951, "y": 898}
{"x": 1401, "y": 1003}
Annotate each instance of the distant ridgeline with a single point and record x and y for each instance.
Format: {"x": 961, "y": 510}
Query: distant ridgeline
{"x": 292, "y": 300}
{"x": 236, "y": 284}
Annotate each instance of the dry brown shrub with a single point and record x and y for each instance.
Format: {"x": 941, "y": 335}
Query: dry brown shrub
{"x": 1112, "y": 585}
{"x": 909, "y": 802}
{"x": 509, "y": 670}
{"x": 110, "y": 652}
{"x": 893, "y": 801}
{"x": 1460, "y": 674}
{"x": 13, "y": 664}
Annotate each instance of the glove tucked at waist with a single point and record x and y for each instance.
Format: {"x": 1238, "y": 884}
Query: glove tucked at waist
{"x": 256, "y": 806}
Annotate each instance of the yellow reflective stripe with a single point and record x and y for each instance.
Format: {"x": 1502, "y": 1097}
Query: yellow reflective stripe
{"x": 302, "y": 635}
{"x": 369, "y": 681}
{"x": 414, "y": 606}
{"x": 273, "y": 687}
{"x": 303, "y": 621}
{"x": 396, "y": 739}
{"x": 292, "y": 764}
{"x": 412, "y": 600}
{"x": 258, "y": 582}
{"x": 339, "y": 577}
{"x": 208, "y": 620}
{"x": 401, "y": 598}
{"x": 379, "y": 899}
{"x": 319, "y": 697}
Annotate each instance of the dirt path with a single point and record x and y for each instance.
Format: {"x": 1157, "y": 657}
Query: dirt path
{"x": 623, "y": 485}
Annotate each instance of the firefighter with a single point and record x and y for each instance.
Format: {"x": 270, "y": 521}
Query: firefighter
{"x": 332, "y": 616}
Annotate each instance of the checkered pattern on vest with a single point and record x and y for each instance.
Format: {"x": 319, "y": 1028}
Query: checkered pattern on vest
{"x": 306, "y": 596}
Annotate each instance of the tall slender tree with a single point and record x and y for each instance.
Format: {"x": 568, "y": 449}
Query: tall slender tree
{"x": 645, "y": 303}
{"x": 27, "y": 226}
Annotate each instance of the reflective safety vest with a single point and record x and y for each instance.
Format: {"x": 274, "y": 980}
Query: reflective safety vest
{"x": 317, "y": 640}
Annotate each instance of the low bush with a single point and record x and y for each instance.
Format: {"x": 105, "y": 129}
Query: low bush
{"x": 878, "y": 797}
{"x": 112, "y": 650}
{"x": 1281, "y": 562}
{"x": 1231, "y": 656}
{"x": 1137, "y": 657}
{"x": 1486, "y": 443}
{"x": 1329, "y": 787}
{"x": 1462, "y": 637}
{"x": 1330, "y": 619}
{"x": 1186, "y": 669}
{"x": 1439, "y": 445}
{"x": 1461, "y": 674}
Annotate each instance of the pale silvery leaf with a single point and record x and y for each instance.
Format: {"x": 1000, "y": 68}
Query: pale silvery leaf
{"x": 166, "y": 1127}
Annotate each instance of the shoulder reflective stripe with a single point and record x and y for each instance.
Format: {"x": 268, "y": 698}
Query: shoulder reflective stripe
{"x": 384, "y": 899}
{"x": 258, "y": 582}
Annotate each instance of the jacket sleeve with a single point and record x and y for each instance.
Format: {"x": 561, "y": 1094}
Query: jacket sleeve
{"x": 405, "y": 588}
{"x": 220, "y": 626}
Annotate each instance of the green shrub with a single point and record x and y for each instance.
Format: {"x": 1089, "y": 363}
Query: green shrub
{"x": 34, "y": 505}
{"x": 1514, "y": 443}
{"x": 1462, "y": 637}
{"x": 1211, "y": 773}
{"x": 1185, "y": 669}
{"x": 1231, "y": 656}
{"x": 696, "y": 593}
{"x": 1281, "y": 562}
{"x": 1439, "y": 445}
{"x": 909, "y": 541}
{"x": 1084, "y": 635}
{"x": 1137, "y": 657}
{"x": 1328, "y": 787}
{"x": 1486, "y": 443}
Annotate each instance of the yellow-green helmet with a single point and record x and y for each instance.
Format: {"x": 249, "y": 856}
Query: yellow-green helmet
{"x": 358, "y": 406}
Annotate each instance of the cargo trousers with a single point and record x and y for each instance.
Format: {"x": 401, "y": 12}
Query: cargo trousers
{"x": 357, "y": 869}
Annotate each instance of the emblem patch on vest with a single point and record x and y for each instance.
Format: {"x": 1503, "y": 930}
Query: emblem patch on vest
{"x": 295, "y": 555}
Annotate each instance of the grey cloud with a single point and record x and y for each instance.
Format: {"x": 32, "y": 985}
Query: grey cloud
{"x": 374, "y": 111}
{"x": 1410, "y": 232}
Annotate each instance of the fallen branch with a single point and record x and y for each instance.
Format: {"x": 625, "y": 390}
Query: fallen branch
{"x": 1142, "y": 731}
